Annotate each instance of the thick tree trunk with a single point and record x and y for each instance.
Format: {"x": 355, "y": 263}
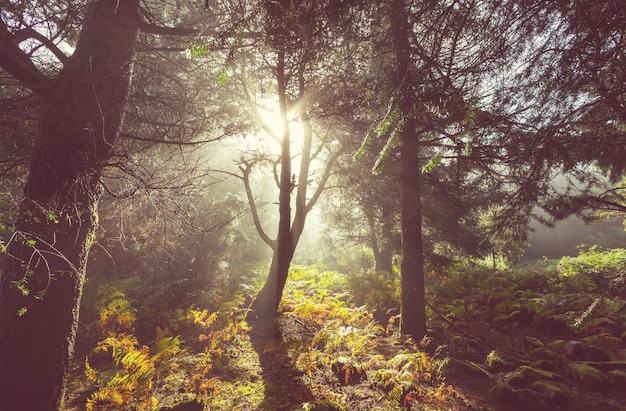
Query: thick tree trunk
{"x": 413, "y": 302}
{"x": 41, "y": 284}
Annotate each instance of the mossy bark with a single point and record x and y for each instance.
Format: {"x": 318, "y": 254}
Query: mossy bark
{"x": 41, "y": 284}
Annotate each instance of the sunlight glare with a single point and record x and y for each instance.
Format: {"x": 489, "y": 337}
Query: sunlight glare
{"x": 274, "y": 123}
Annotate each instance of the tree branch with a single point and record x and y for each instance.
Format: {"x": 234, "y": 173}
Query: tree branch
{"x": 149, "y": 28}
{"x": 28, "y": 33}
{"x": 253, "y": 209}
{"x": 16, "y": 63}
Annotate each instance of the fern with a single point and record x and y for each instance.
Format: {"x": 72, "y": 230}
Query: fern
{"x": 432, "y": 163}
{"x": 384, "y": 154}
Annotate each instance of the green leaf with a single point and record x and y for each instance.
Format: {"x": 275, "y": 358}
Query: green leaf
{"x": 52, "y": 216}
{"x": 22, "y": 311}
{"x": 197, "y": 50}
{"x": 21, "y": 285}
{"x": 23, "y": 289}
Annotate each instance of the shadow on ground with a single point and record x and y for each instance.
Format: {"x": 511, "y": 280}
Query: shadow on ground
{"x": 284, "y": 390}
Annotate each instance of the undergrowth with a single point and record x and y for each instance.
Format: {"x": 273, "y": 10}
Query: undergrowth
{"x": 344, "y": 355}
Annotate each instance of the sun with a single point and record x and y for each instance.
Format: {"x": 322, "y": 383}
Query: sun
{"x": 272, "y": 123}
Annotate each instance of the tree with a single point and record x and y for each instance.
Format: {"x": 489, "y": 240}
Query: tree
{"x": 293, "y": 32}
{"x": 81, "y": 117}
{"x": 83, "y": 100}
{"x": 444, "y": 61}
{"x": 562, "y": 114}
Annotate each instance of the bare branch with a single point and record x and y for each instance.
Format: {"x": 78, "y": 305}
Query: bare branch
{"x": 245, "y": 169}
{"x": 17, "y": 64}
{"x": 29, "y": 33}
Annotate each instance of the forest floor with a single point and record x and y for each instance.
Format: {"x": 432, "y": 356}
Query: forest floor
{"x": 495, "y": 343}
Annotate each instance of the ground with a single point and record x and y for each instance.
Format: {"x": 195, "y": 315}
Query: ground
{"x": 491, "y": 348}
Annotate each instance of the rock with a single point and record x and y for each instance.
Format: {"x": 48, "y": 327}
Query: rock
{"x": 523, "y": 398}
{"x": 607, "y": 366}
{"x": 526, "y": 375}
{"x": 551, "y": 393}
{"x": 558, "y": 346}
{"x": 587, "y": 375}
{"x": 528, "y": 399}
{"x": 580, "y": 351}
{"x": 549, "y": 323}
{"x": 617, "y": 378}
{"x": 545, "y": 365}
{"x": 532, "y": 343}
{"x": 499, "y": 361}
{"x": 502, "y": 391}
{"x": 466, "y": 367}
{"x": 604, "y": 340}
{"x": 543, "y": 353}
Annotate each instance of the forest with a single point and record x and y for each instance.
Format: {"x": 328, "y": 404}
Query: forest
{"x": 329, "y": 205}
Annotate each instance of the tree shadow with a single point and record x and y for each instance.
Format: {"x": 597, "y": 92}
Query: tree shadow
{"x": 284, "y": 389}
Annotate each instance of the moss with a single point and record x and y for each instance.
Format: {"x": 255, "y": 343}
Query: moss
{"x": 606, "y": 366}
{"x": 545, "y": 365}
{"x": 587, "y": 375}
{"x": 617, "y": 378}
{"x": 527, "y": 399}
{"x": 543, "y": 353}
{"x": 532, "y": 342}
{"x": 530, "y": 400}
{"x": 551, "y": 393}
{"x": 499, "y": 361}
{"x": 526, "y": 375}
{"x": 557, "y": 346}
{"x": 467, "y": 367}
{"x": 603, "y": 339}
{"x": 502, "y": 391}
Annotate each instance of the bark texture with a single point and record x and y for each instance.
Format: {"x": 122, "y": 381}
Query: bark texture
{"x": 41, "y": 284}
{"x": 413, "y": 303}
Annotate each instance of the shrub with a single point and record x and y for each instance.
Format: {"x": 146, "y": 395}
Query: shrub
{"x": 602, "y": 270}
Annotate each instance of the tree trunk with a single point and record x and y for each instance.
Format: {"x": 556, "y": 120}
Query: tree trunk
{"x": 381, "y": 246}
{"x": 413, "y": 302}
{"x": 265, "y": 305}
{"x": 42, "y": 282}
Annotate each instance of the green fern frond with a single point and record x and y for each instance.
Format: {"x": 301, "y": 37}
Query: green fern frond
{"x": 380, "y": 128}
{"x": 384, "y": 154}
{"x": 432, "y": 163}
{"x": 136, "y": 362}
{"x": 581, "y": 321}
